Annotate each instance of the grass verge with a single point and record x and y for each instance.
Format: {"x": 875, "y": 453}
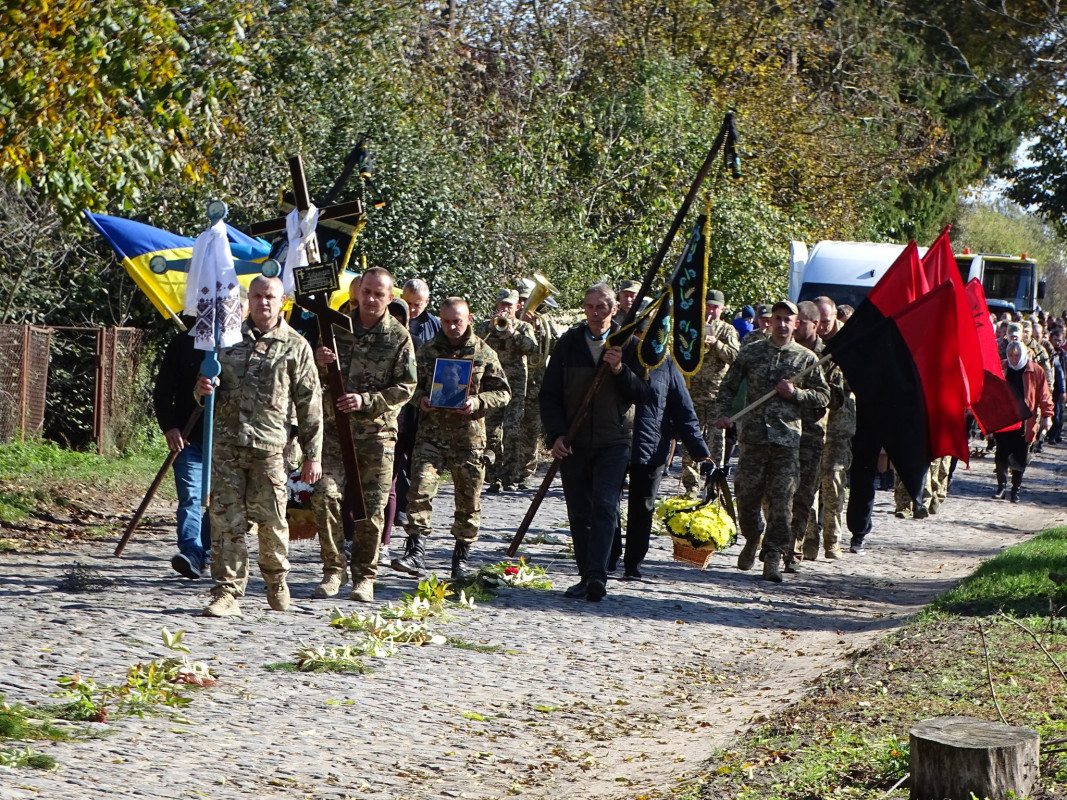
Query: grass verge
{"x": 848, "y": 738}
{"x": 39, "y": 475}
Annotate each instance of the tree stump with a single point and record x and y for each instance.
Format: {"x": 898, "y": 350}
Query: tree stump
{"x": 953, "y": 757}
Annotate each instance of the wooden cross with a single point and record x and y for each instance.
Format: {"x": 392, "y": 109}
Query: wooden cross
{"x": 319, "y": 305}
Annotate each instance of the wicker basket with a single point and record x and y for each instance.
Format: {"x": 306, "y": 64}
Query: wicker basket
{"x": 301, "y": 523}
{"x": 697, "y": 556}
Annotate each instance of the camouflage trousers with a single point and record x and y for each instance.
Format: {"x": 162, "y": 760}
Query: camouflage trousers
{"x": 809, "y": 462}
{"x": 836, "y": 460}
{"x": 247, "y": 488}
{"x": 375, "y": 460}
{"x": 766, "y": 477}
{"x": 939, "y": 471}
{"x": 504, "y": 427}
{"x": 715, "y": 439}
{"x": 903, "y": 499}
{"x": 428, "y": 462}
{"x": 529, "y": 440}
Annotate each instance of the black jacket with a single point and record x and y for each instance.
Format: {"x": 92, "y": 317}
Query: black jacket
{"x": 172, "y": 396}
{"x": 668, "y": 414}
{"x": 569, "y": 372}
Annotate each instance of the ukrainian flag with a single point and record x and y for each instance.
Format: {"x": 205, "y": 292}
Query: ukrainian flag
{"x": 136, "y": 244}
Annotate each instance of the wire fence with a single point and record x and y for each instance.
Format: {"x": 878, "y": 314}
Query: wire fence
{"x": 23, "y": 380}
{"x": 81, "y": 387}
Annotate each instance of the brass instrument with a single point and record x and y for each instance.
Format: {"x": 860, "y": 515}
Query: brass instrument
{"x": 502, "y": 323}
{"x": 540, "y": 290}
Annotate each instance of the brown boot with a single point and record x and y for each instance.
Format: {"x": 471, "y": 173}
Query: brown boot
{"x": 747, "y": 556}
{"x": 278, "y": 595}
{"x": 772, "y": 568}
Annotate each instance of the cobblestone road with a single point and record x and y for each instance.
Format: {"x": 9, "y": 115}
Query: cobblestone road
{"x": 609, "y": 700}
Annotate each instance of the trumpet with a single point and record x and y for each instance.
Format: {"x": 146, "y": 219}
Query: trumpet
{"x": 502, "y": 323}
{"x": 540, "y": 290}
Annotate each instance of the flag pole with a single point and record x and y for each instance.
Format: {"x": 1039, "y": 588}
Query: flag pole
{"x": 725, "y": 141}
{"x": 757, "y": 403}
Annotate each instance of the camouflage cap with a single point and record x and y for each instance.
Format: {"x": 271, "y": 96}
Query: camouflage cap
{"x": 630, "y": 286}
{"x": 790, "y": 307}
{"x": 715, "y": 298}
{"x": 763, "y": 312}
{"x": 1015, "y": 329}
{"x": 507, "y": 296}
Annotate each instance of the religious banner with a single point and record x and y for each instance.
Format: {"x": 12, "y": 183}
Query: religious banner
{"x": 655, "y": 342}
{"x": 689, "y": 286}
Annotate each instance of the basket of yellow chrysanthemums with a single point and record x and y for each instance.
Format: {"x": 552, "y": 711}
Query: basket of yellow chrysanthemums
{"x": 697, "y": 529}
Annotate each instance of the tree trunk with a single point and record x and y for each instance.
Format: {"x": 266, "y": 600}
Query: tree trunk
{"x": 953, "y": 757}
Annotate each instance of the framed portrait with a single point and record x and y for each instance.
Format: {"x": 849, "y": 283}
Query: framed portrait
{"x": 451, "y": 382}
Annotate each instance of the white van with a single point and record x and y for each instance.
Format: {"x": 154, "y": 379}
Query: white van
{"x": 842, "y": 271}
{"x": 846, "y": 271}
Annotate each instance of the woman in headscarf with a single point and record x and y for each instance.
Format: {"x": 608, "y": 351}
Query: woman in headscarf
{"x": 1013, "y": 444}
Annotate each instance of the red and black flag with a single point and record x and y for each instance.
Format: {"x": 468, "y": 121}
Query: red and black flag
{"x": 902, "y": 361}
{"x": 1001, "y": 406}
{"x": 939, "y": 264}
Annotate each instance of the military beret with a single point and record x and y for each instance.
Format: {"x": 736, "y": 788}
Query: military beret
{"x": 792, "y": 309}
{"x": 630, "y": 286}
{"x": 715, "y": 297}
{"x": 507, "y": 296}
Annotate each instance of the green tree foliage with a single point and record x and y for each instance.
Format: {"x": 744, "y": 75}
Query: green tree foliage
{"x": 528, "y": 135}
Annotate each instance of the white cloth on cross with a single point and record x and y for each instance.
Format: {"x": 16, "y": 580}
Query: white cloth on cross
{"x": 301, "y": 232}
{"x": 212, "y": 293}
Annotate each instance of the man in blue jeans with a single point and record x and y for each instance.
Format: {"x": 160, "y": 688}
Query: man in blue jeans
{"x": 174, "y": 404}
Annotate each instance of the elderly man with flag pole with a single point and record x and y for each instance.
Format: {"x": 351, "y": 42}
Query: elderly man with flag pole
{"x": 262, "y": 366}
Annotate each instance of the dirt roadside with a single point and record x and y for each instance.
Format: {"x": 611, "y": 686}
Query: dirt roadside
{"x": 614, "y": 700}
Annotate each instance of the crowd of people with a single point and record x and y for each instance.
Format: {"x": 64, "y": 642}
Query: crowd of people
{"x": 426, "y": 394}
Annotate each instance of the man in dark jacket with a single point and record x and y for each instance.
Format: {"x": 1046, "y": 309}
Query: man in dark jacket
{"x": 594, "y": 461}
{"x": 667, "y": 414}
{"x": 174, "y": 404}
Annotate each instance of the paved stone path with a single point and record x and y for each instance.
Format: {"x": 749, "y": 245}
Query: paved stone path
{"x": 611, "y": 700}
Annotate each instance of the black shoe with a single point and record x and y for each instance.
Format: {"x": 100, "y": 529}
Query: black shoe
{"x": 580, "y": 589}
{"x": 999, "y": 493}
{"x": 494, "y": 487}
{"x": 1014, "y": 497}
{"x": 413, "y": 562}
{"x": 595, "y": 590}
{"x": 400, "y": 520}
{"x": 184, "y": 566}
{"x": 460, "y": 570}
{"x": 856, "y": 546}
{"x": 791, "y": 566}
{"x": 631, "y": 574}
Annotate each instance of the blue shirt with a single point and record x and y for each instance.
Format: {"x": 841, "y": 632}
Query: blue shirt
{"x": 423, "y": 328}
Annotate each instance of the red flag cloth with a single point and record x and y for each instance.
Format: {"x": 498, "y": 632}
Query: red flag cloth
{"x": 929, "y": 328}
{"x": 939, "y": 263}
{"x": 1000, "y": 407}
{"x": 902, "y": 283}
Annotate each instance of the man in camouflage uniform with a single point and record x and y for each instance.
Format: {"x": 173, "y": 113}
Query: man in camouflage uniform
{"x": 268, "y": 371}
{"x": 530, "y": 438}
{"x": 377, "y": 363}
{"x": 770, "y": 434}
{"x": 514, "y": 342}
{"x": 1037, "y": 352}
{"x": 813, "y": 434}
{"x": 763, "y": 324}
{"x": 451, "y": 439}
{"x": 836, "y": 455}
{"x": 720, "y": 351}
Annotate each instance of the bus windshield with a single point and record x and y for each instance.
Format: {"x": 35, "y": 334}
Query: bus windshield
{"x": 1008, "y": 281}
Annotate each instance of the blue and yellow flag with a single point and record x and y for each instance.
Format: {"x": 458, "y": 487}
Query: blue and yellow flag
{"x": 136, "y": 243}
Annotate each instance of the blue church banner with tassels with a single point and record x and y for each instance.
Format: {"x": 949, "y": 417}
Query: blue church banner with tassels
{"x": 689, "y": 286}
{"x": 655, "y": 343}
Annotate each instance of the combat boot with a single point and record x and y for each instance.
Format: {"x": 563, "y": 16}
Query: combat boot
{"x": 278, "y": 594}
{"x": 362, "y": 591}
{"x": 747, "y": 556}
{"x": 331, "y": 584}
{"x": 413, "y": 562}
{"x": 772, "y": 568}
{"x": 223, "y": 604}
{"x": 460, "y": 553}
